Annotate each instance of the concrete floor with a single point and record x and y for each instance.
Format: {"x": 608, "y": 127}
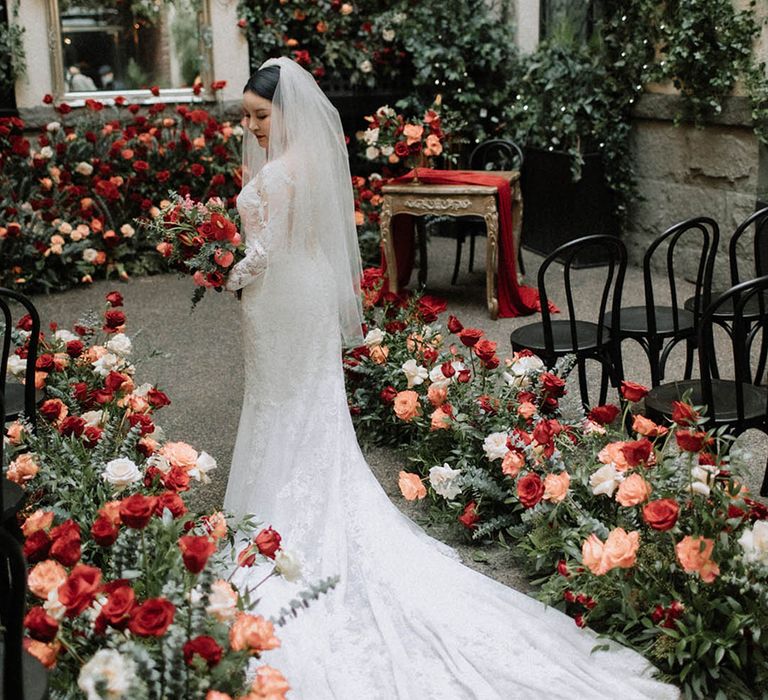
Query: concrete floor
{"x": 194, "y": 357}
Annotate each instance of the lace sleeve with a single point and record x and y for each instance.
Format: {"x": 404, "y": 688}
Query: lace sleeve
{"x": 267, "y": 219}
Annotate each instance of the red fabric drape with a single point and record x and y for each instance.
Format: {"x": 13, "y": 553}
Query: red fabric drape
{"x": 514, "y": 299}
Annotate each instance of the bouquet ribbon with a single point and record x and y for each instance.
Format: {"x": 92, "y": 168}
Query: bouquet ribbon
{"x": 514, "y": 299}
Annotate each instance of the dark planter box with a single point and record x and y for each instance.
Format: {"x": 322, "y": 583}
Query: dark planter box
{"x": 558, "y": 210}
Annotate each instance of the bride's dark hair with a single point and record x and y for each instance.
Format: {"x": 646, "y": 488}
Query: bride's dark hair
{"x": 264, "y": 82}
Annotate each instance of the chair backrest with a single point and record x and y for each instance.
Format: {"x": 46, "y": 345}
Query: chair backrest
{"x": 496, "y": 154}
{"x": 698, "y": 237}
{"x": 615, "y": 254}
{"x": 746, "y": 328}
{"x": 6, "y": 297}
{"x": 758, "y": 223}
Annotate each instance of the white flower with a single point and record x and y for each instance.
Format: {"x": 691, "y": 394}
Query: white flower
{"x": 387, "y": 151}
{"x": 222, "y": 601}
{"x": 46, "y": 152}
{"x": 702, "y": 478}
{"x": 106, "y": 676}
{"x": 127, "y": 230}
{"x": 84, "y": 168}
{"x": 371, "y": 153}
{"x": 52, "y": 605}
{"x": 16, "y": 365}
{"x": 142, "y": 390}
{"x": 754, "y": 542}
{"x": 399, "y": 17}
{"x": 605, "y": 480}
{"x": 120, "y": 344}
{"x": 205, "y": 463}
{"x": 90, "y": 255}
{"x": 159, "y": 462}
{"x": 590, "y": 427}
{"x": 415, "y": 374}
{"x": 374, "y": 337}
{"x": 518, "y": 373}
{"x": 53, "y": 127}
{"x": 388, "y": 34}
{"x": 443, "y": 481}
{"x": 65, "y": 336}
{"x": 439, "y": 380}
{"x": 121, "y": 472}
{"x": 93, "y": 418}
{"x": 495, "y": 446}
{"x": 237, "y": 130}
{"x": 366, "y": 66}
{"x": 287, "y": 565}
{"x": 106, "y": 364}
{"x": 371, "y": 136}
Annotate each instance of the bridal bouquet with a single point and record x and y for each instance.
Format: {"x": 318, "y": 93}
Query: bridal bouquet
{"x": 198, "y": 239}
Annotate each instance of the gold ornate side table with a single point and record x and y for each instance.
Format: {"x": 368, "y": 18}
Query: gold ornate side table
{"x": 420, "y": 199}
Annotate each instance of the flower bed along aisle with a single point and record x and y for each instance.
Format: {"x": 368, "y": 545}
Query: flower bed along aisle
{"x": 645, "y": 535}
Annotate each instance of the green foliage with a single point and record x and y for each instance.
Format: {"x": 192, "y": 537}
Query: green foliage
{"x": 13, "y": 61}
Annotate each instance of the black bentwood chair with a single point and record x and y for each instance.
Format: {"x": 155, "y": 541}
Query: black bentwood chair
{"x": 738, "y": 403}
{"x": 594, "y": 339}
{"x": 658, "y": 328}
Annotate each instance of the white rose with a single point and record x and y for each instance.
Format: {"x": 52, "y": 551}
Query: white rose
{"x": 605, "y": 480}
{"x": 121, "y": 472}
{"x": 415, "y": 374}
{"x": 106, "y": 676}
{"x": 287, "y": 565}
{"x": 16, "y": 365}
{"x": 366, "y": 67}
{"x": 388, "y": 35}
{"x": 222, "y": 601}
{"x": 46, "y": 152}
{"x": 443, "y": 480}
{"x": 495, "y": 446}
{"x": 519, "y": 372}
{"x": 142, "y": 390}
{"x": 93, "y": 418}
{"x": 754, "y": 542}
{"x": 65, "y": 228}
{"x": 702, "y": 478}
{"x": 65, "y": 336}
{"x": 90, "y": 254}
{"x": 205, "y": 463}
{"x": 52, "y": 605}
{"x": 371, "y": 136}
{"x": 371, "y": 153}
{"x": 591, "y": 428}
{"x": 120, "y": 344}
{"x": 84, "y": 168}
{"x": 106, "y": 364}
{"x": 53, "y": 127}
{"x": 127, "y": 230}
{"x": 374, "y": 337}
{"x": 387, "y": 151}
{"x": 159, "y": 462}
{"x": 438, "y": 379}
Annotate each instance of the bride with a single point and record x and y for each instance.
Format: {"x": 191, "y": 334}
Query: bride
{"x": 407, "y": 620}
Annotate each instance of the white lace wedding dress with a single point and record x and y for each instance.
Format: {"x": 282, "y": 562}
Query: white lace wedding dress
{"x": 407, "y": 619}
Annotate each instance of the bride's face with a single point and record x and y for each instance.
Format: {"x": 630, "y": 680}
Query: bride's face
{"x": 256, "y": 114}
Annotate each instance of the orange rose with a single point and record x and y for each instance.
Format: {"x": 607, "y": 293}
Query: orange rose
{"x": 45, "y": 577}
{"x": 613, "y": 453}
{"x": 695, "y": 556}
{"x": 556, "y": 486}
{"x": 633, "y": 491}
{"x": 24, "y": 468}
{"x": 111, "y": 511}
{"x": 411, "y": 486}
{"x": 40, "y": 378}
{"x": 526, "y": 410}
{"x": 440, "y": 420}
{"x": 406, "y": 405}
{"x": 60, "y": 361}
{"x": 645, "y": 426}
{"x": 14, "y": 433}
{"x": 216, "y": 525}
{"x": 618, "y": 551}
{"x": 437, "y": 395}
{"x": 269, "y": 684}
{"x": 412, "y": 133}
{"x": 39, "y": 520}
{"x": 359, "y": 218}
{"x": 252, "y": 633}
{"x": 592, "y": 554}
{"x": 512, "y": 463}
{"x": 379, "y": 354}
{"x": 433, "y": 146}
{"x": 180, "y": 454}
{"x": 46, "y": 654}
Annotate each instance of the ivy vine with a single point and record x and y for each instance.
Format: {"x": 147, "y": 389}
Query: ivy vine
{"x": 13, "y": 62}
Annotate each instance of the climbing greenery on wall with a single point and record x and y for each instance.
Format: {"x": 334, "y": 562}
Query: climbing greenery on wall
{"x": 13, "y": 62}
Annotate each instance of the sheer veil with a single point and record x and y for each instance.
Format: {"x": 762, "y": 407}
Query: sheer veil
{"x": 306, "y": 135}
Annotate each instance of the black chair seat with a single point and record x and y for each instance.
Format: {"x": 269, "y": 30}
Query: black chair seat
{"x": 531, "y": 336}
{"x": 35, "y": 677}
{"x": 751, "y": 308}
{"x": 659, "y": 399}
{"x": 634, "y": 321}
{"x": 13, "y": 495}
{"x": 14, "y": 400}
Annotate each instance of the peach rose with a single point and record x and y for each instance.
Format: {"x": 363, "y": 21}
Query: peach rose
{"x": 556, "y": 486}
{"x": 359, "y": 218}
{"x": 269, "y": 684}
{"x": 14, "y": 433}
{"x": 252, "y": 632}
{"x": 136, "y": 404}
{"x": 39, "y": 520}
{"x": 592, "y": 554}
{"x": 379, "y": 354}
{"x": 60, "y": 361}
{"x": 633, "y": 490}
{"x": 411, "y": 486}
{"x": 526, "y": 410}
{"x": 695, "y": 556}
{"x": 45, "y": 577}
{"x": 217, "y": 695}
{"x": 613, "y": 453}
{"x": 92, "y": 354}
{"x": 512, "y": 463}
{"x": 618, "y": 551}
{"x": 180, "y": 454}
{"x": 440, "y": 420}
{"x": 437, "y": 395}
{"x": 406, "y": 405}
{"x": 46, "y": 654}
{"x": 645, "y": 426}
{"x": 414, "y": 342}
{"x": 40, "y": 378}
{"x": 148, "y": 445}
{"x": 413, "y": 133}
{"x": 111, "y": 511}
{"x": 216, "y": 525}
{"x": 24, "y": 468}
{"x": 433, "y": 146}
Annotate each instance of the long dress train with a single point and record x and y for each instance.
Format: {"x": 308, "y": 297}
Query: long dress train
{"x": 407, "y": 620}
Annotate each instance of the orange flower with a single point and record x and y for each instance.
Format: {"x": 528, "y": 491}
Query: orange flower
{"x": 180, "y": 454}
{"x": 269, "y": 684}
{"x": 633, "y": 490}
{"x": 411, "y": 486}
{"x": 412, "y": 133}
{"x": 592, "y": 554}
{"x": 39, "y": 520}
{"x": 359, "y": 218}
{"x": 252, "y": 633}
{"x": 46, "y": 654}
{"x": 645, "y": 426}
{"x": 613, "y": 453}
{"x": 406, "y": 405}
{"x": 526, "y": 410}
{"x": 618, "y": 551}
{"x": 379, "y": 354}
{"x": 40, "y": 378}
{"x": 556, "y": 486}
{"x": 24, "y": 468}
{"x": 440, "y": 419}
{"x": 695, "y": 556}
{"x": 45, "y": 577}
{"x": 437, "y": 395}
{"x": 111, "y": 511}
{"x": 217, "y": 695}
{"x": 512, "y": 463}
{"x": 433, "y": 146}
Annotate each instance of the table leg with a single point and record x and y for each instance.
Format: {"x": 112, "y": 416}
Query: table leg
{"x": 387, "y": 244}
{"x": 517, "y": 227}
{"x": 421, "y": 234}
{"x": 491, "y": 260}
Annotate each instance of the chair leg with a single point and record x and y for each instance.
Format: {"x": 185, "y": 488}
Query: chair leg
{"x": 520, "y": 263}
{"x": 583, "y": 388}
{"x": 654, "y": 359}
{"x": 690, "y": 346}
{"x": 471, "y": 251}
{"x": 603, "y": 383}
{"x": 457, "y": 263}
{"x": 764, "y": 487}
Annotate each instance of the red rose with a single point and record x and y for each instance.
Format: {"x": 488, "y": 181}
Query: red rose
{"x": 52, "y": 410}
{"x": 492, "y": 362}
{"x": 401, "y": 149}
{"x": 114, "y": 380}
{"x": 65, "y": 543}
{"x": 464, "y": 376}
{"x": 72, "y": 425}
{"x": 469, "y": 517}
{"x": 41, "y": 625}
{"x": 205, "y": 647}
{"x": 448, "y": 369}
{"x": 430, "y": 307}
{"x": 268, "y": 542}
{"x": 388, "y": 394}
{"x": 247, "y": 556}
{"x": 530, "y": 489}
{"x": 157, "y": 398}
{"x": 552, "y": 385}
{"x": 146, "y": 426}
{"x": 115, "y": 299}
{"x": 48, "y": 99}
{"x": 75, "y": 348}
{"x": 152, "y": 618}
{"x": 104, "y": 531}
{"x": 103, "y": 396}
{"x": 633, "y": 392}
{"x": 37, "y": 546}
{"x": 637, "y": 452}
{"x": 80, "y": 392}
{"x": 196, "y": 169}
{"x": 136, "y": 511}
{"x": 470, "y": 336}
{"x": 113, "y": 320}
{"x": 485, "y": 349}
{"x": 691, "y": 441}
{"x": 155, "y": 90}
{"x": 661, "y": 514}
{"x": 117, "y": 610}
{"x": 683, "y": 414}
{"x": 25, "y": 323}
{"x": 45, "y": 363}
{"x": 218, "y": 85}
{"x": 173, "y": 502}
{"x": 454, "y": 325}
{"x": 604, "y": 414}
{"x": 80, "y": 588}
{"x": 195, "y": 551}
{"x": 562, "y": 568}
{"x": 91, "y": 436}
{"x": 176, "y": 479}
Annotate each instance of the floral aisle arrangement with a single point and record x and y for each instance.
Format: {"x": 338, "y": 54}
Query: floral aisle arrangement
{"x": 640, "y": 531}
{"x": 368, "y": 199}
{"x": 126, "y": 598}
{"x": 69, "y": 197}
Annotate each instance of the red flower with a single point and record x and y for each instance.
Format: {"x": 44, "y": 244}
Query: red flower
{"x": 65, "y": 543}
{"x": 580, "y": 621}
{"x": 464, "y": 376}
{"x": 469, "y": 517}
{"x": 196, "y": 169}
{"x": 448, "y": 369}
{"x": 454, "y": 325}
{"x": 75, "y": 348}
{"x": 45, "y": 363}
{"x": 91, "y": 436}
{"x": 36, "y": 546}
{"x": 485, "y": 349}
{"x": 115, "y": 299}
{"x": 136, "y": 511}
{"x": 223, "y": 228}
{"x": 637, "y": 452}
{"x": 569, "y": 596}
{"x": 683, "y": 414}
{"x": 173, "y": 502}
{"x": 41, "y": 625}
{"x": 195, "y": 551}
{"x": 268, "y": 542}
{"x": 152, "y": 618}
{"x": 430, "y": 307}
{"x": 80, "y": 588}
{"x": 388, "y": 394}
{"x": 176, "y": 479}
{"x": 104, "y": 531}
{"x": 24, "y": 323}
{"x": 661, "y": 514}
{"x": 120, "y": 603}
{"x": 113, "y": 320}
{"x": 562, "y": 568}
{"x": 552, "y": 385}
{"x": 48, "y": 99}
{"x": 141, "y": 166}
{"x": 114, "y": 381}
{"x": 218, "y": 85}
{"x": 604, "y": 414}
{"x": 690, "y": 441}
{"x": 52, "y": 410}
{"x": 205, "y": 647}
{"x": 530, "y": 489}
{"x": 72, "y": 425}
{"x": 470, "y": 336}
{"x": 146, "y": 426}
{"x": 633, "y": 392}
{"x": 155, "y": 90}
{"x": 242, "y": 23}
